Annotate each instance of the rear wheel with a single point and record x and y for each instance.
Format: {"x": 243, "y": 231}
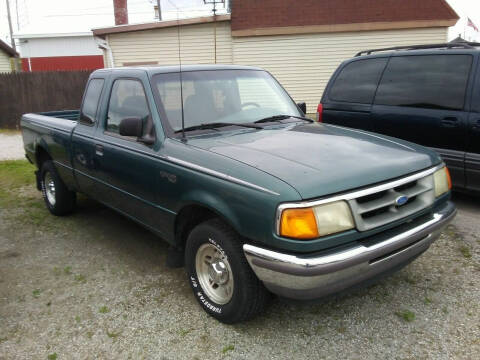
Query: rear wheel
{"x": 59, "y": 200}
{"x": 221, "y": 279}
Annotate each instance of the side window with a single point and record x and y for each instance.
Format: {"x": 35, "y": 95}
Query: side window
{"x": 476, "y": 93}
{"x": 90, "y": 103}
{"x": 357, "y": 81}
{"x": 425, "y": 81}
{"x": 127, "y": 100}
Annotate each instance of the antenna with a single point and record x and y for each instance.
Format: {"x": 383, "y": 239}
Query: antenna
{"x": 180, "y": 70}
{"x": 181, "y": 80}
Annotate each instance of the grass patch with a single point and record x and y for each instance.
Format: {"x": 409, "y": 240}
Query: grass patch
{"x": 427, "y": 300}
{"x": 67, "y": 270}
{"x": 406, "y": 315}
{"x": 228, "y": 348}
{"x": 10, "y": 132}
{"x": 113, "y": 335}
{"x": 465, "y": 250}
{"x": 19, "y": 195}
{"x": 103, "y": 310}
{"x": 80, "y": 278}
{"x": 184, "y": 332}
{"x": 16, "y": 173}
{"x": 36, "y": 293}
{"x": 410, "y": 280}
{"x": 52, "y": 356}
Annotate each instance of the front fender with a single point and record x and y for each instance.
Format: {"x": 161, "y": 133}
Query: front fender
{"x": 214, "y": 203}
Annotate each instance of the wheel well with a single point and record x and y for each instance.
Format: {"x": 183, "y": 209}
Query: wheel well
{"x": 189, "y": 217}
{"x": 41, "y": 156}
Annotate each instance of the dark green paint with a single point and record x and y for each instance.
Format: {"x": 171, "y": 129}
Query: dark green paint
{"x": 293, "y": 161}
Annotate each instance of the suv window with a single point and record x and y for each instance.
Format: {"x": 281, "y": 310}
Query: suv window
{"x": 426, "y": 81}
{"x": 126, "y": 100}
{"x": 90, "y": 103}
{"x": 357, "y": 81}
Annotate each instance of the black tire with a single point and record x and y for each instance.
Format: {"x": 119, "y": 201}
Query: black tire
{"x": 64, "y": 199}
{"x": 249, "y": 296}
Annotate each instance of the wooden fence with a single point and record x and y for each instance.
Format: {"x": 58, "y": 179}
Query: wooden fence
{"x": 22, "y": 93}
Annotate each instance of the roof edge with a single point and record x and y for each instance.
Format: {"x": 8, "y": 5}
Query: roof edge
{"x": 159, "y": 24}
{"x": 8, "y": 49}
{"x": 450, "y": 9}
{"x": 369, "y": 26}
{"x": 48, "y": 35}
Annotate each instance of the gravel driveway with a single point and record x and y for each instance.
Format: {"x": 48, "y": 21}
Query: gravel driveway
{"x": 95, "y": 285}
{"x": 11, "y": 146}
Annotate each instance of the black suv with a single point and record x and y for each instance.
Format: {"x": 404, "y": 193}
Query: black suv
{"x": 427, "y": 94}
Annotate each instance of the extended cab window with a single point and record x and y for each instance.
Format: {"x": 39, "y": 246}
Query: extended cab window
{"x": 127, "y": 100}
{"x": 358, "y": 81}
{"x": 425, "y": 81}
{"x": 90, "y": 103}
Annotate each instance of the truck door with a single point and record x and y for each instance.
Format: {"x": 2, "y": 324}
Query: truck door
{"x": 83, "y": 150}
{"x": 421, "y": 98}
{"x": 472, "y": 155}
{"x": 128, "y": 170}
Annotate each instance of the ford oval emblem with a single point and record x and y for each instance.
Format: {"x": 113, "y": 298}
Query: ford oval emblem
{"x": 401, "y": 200}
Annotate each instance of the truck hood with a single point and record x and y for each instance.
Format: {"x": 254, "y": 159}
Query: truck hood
{"x": 318, "y": 159}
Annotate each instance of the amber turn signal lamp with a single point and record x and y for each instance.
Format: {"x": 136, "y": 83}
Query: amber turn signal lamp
{"x": 449, "y": 179}
{"x": 299, "y": 224}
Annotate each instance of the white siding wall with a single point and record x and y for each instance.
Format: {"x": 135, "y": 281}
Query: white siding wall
{"x": 59, "y": 46}
{"x": 4, "y": 63}
{"x": 197, "y": 45}
{"x": 302, "y": 63}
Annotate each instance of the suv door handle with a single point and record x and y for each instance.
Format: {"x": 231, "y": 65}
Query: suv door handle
{"x": 98, "y": 149}
{"x": 450, "y": 121}
{"x": 476, "y": 125}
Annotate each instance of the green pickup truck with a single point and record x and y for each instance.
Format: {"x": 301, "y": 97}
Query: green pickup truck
{"x": 253, "y": 197}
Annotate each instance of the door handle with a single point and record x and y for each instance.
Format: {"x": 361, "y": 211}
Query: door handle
{"x": 98, "y": 149}
{"x": 476, "y": 125}
{"x": 450, "y": 121}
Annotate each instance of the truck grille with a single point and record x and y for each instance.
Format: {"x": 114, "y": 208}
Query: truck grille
{"x": 380, "y": 208}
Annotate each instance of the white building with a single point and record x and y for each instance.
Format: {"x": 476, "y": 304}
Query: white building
{"x": 300, "y": 46}
{"x": 59, "y": 51}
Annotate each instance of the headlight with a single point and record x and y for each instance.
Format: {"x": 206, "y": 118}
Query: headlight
{"x": 442, "y": 180}
{"x": 313, "y": 222}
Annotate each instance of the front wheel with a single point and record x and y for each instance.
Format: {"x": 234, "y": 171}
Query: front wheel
{"x": 59, "y": 200}
{"x": 221, "y": 279}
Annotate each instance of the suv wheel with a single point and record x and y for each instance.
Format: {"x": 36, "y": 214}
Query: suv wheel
{"x": 59, "y": 200}
{"x": 221, "y": 279}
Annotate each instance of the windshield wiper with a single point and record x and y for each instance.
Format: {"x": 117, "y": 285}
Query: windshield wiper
{"x": 215, "y": 125}
{"x": 281, "y": 117}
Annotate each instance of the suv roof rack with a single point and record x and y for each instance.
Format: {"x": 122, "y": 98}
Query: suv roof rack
{"x": 462, "y": 45}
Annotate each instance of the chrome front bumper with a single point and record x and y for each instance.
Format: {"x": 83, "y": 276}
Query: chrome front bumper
{"x": 310, "y": 277}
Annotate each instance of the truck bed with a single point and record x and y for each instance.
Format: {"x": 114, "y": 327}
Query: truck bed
{"x": 62, "y": 114}
{"x": 53, "y": 131}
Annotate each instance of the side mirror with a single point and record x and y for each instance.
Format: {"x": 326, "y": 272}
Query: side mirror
{"x": 302, "y": 106}
{"x": 131, "y": 127}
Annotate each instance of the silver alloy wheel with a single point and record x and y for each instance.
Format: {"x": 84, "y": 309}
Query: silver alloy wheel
{"x": 214, "y": 273}
{"x": 49, "y": 188}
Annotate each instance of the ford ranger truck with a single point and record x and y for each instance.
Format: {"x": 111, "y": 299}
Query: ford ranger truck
{"x": 253, "y": 197}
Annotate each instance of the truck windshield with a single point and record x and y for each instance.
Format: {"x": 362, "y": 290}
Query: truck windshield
{"x": 220, "y": 96}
